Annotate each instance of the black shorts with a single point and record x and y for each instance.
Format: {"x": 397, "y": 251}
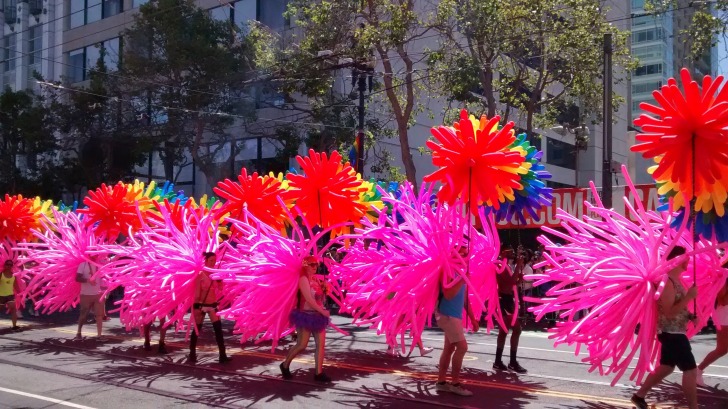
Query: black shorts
{"x": 6, "y": 299}
{"x": 507, "y": 303}
{"x": 676, "y": 351}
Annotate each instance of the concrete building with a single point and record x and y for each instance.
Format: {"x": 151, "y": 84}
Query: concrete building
{"x": 30, "y": 42}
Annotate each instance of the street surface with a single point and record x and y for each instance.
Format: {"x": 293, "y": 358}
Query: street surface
{"x": 41, "y": 366}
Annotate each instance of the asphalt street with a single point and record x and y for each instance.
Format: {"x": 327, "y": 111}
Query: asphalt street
{"x": 42, "y": 366}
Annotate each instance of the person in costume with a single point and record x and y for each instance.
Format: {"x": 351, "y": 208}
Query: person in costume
{"x": 10, "y": 287}
{"x": 91, "y": 294}
{"x": 720, "y": 319}
{"x": 207, "y": 292}
{"x": 672, "y": 323}
{"x": 449, "y": 317}
{"x": 508, "y": 281}
{"x": 162, "y": 332}
{"x": 310, "y": 318}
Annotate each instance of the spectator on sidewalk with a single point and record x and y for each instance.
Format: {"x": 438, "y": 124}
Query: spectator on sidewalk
{"x": 10, "y": 288}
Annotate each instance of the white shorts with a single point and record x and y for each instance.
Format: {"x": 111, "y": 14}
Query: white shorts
{"x": 720, "y": 315}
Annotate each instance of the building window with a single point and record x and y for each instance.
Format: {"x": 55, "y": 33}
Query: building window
{"x": 112, "y": 7}
{"x": 35, "y": 44}
{"x": 244, "y": 11}
{"x": 77, "y": 65}
{"x": 647, "y": 35}
{"x": 85, "y": 60}
{"x": 646, "y": 87}
{"x": 270, "y": 13}
{"x": 9, "y": 51}
{"x": 88, "y": 11}
{"x": 561, "y": 154}
{"x": 112, "y": 56}
{"x": 222, "y": 13}
{"x": 138, "y": 3}
{"x": 648, "y": 69}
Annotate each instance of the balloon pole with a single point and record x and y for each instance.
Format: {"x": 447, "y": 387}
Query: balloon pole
{"x": 694, "y": 215}
{"x": 467, "y": 260}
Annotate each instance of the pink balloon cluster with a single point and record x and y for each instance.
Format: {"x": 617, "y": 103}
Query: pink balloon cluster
{"x": 612, "y": 270}
{"x": 390, "y": 277}
{"x": 261, "y": 271}
{"x": 159, "y": 266}
{"x": 52, "y": 261}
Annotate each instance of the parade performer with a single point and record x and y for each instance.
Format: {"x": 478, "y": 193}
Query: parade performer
{"x": 53, "y": 259}
{"x": 10, "y": 288}
{"x": 615, "y": 269}
{"x": 720, "y": 319}
{"x": 161, "y": 348}
{"x": 672, "y": 321}
{"x": 164, "y": 270}
{"x": 310, "y": 318}
{"x": 508, "y": 281}
{"x": 91, "y": 295}
{"x": 207, "y": 293}
{"x": 449, "y": 315}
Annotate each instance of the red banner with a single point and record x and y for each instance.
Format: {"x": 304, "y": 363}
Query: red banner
{"x": 571, "y": 200}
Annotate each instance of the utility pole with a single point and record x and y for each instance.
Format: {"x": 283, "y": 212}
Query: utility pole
{"x": 362, "y": 74}
{"x": 607, "y": 125}
{"x": 360, "y": 129}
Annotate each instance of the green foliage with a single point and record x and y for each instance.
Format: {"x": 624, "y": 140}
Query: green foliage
{"x": 372, "y": 30}
{"x": 27, "y": 138}
{"x": 708, "y": 22}
{"x": 532, "y": 56}
{"x": 198, "y": 66}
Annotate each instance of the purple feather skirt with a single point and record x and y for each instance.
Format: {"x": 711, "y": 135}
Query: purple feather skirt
{"x": 309, "y": 320}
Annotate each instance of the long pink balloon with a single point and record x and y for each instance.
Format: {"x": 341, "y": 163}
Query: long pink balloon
{"x": 61, "y": 246}
{"x": 261, "y": 271}
{"x": 158, "y": 268}
{"x": 390, "y": 276}
{"x": 613, "y": 270}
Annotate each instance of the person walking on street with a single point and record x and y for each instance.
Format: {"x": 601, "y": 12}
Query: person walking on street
{"x": 449, "y": 317}
{"x": 207, "y": 293}
{"x": 672, "y": 324}
{"x": 720, "y": 318}
{"x": 508, "y": 281}
{"x": 90, "y": 296}
{"x": 310, "y": 318}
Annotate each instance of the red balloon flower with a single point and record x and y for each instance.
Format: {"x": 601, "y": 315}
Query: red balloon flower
{"x": 259, "y": 194}
{"x": 685, "y": 125}
{"x": 17, "y": 218}
{"x": 111, "y": 211}
{"x": 179, "y": 214}
{"x": 328, "y": 192}
{"x": 475, "y": 162}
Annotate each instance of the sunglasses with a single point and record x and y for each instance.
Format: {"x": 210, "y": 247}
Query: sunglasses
{"x": 311, "y": 264}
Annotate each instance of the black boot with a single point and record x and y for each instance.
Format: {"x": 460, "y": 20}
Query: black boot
{"x": 217, "y": 327}
{"x": 193, "y": 346}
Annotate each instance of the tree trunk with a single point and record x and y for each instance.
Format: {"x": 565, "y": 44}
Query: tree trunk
{"x": 409, "y": 163}
{"x": 487, "y": 80}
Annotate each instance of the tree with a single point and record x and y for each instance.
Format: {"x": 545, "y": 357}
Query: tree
{"x": 27, "y": 131}
{"x": 386, "y": 31}
{"x": 532, "y": 57}
{"x": 101, "y": 144}
{"x": 188, "y": 73}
